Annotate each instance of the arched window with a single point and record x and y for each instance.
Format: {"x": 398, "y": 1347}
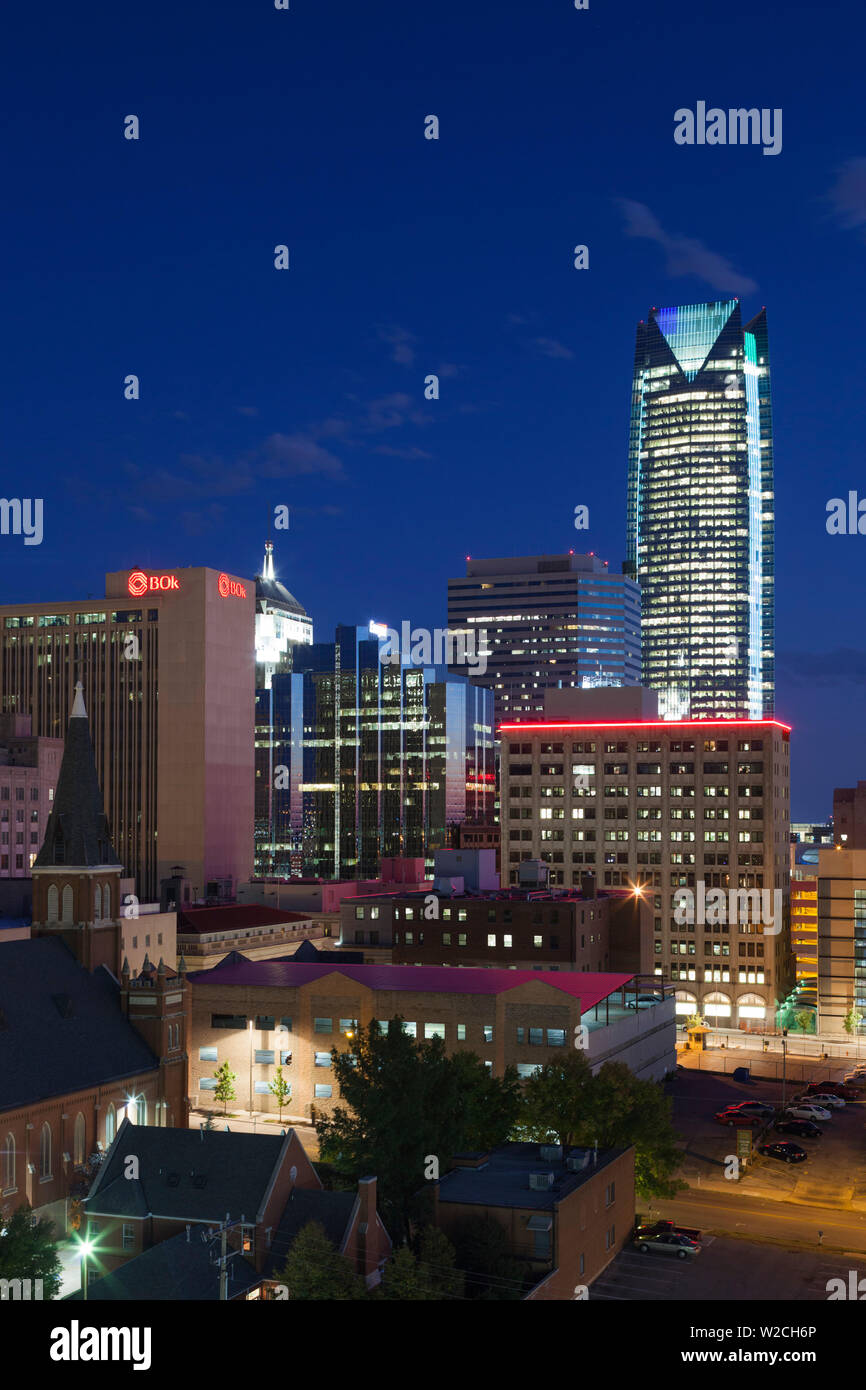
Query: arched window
{"x": 717, "y": 1005}
{"x": 8, "y": 1176}
{"x": 140, "y": 1110}
{"x": 110, "y": 1124}
{"x": 106, "y": 900}
{"x": 45, "y": 1151}
{"x": 52, "y": 903}
{"x": 686, "y": 1003}
{"x": 97, "y": 904}
{"x": 78, "y": 1141}
{"x": 751, "y": 1006}
{"x": 67, "y": 903}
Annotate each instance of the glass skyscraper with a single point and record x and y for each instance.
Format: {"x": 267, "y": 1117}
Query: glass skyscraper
{"x": 369, "y": 759}
{"x": 700, "y": 510}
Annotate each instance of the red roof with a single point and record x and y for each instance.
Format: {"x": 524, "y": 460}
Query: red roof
{"x": 589, "y": 988}
{"x": 235, "y": 917}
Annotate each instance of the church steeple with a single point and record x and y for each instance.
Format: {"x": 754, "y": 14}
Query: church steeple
{"x": 76, "y": 874}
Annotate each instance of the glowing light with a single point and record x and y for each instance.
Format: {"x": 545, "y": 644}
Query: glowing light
{"x": 140, "y": 583}
{"x": 230, "y": 588}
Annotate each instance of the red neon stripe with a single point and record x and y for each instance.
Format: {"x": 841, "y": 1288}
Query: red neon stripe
{"x": 656, "y": 724}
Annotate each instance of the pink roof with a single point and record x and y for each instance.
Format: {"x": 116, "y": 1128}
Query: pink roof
{"x": 235, "y": 917}
{"x": 589, "y": 988}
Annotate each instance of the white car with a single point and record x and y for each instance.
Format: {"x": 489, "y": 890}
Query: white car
{"x": 803, "y": 1111}
{"x": 829, "y": 1101}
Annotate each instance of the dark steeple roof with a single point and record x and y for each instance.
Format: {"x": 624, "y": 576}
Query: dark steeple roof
{"x": 77, "y": 834}
{"x": 269, "y": 590}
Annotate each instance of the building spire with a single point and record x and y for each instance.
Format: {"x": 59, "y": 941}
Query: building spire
{"x": 78, "y": 710}
{"x": 268, "y": 566}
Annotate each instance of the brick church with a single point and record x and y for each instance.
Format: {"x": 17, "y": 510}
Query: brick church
{"x": 83, "y": 1044}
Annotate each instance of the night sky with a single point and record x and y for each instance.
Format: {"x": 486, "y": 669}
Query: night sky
{"x": 306, "y": 388}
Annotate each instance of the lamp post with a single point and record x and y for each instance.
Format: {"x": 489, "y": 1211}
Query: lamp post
{"x": 86, "y": 1249}
{"x": 252, "y": 1121}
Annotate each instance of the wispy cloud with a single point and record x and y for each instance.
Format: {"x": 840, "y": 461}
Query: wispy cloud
{"x": 551, "y": 347}
{"x": 685, "y": 255}
{"x": 848, "y": 194}
{"x": 400, "y": 341}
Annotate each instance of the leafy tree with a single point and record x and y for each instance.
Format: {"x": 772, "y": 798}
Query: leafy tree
{"x": 694, "y": 1021}
{"x": 402, "y": 1278}
{"x": 493, "y": 1273}
{"x": 315, "y": 1269}
{"x": 28, "y": 1250}
{"x": 852, "y": 1019}
{"x": 437, "y": 1260}
{"x": 406, "y": 1102}
{"x": 281, "y": 1089}
{"x": 555, "y": 1101}
{"x": 225, "y": 1084}
{"x": 805, "y": 1020}
{"x": 613, "y": 1109}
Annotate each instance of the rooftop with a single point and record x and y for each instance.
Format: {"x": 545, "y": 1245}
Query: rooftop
{"x": 183, "y": 1267}
{"x": 61, "y": 1028}
{"x": 589, "y": 987}
{"x": 501, "y": 1178}
{"x": 651, "y": 724}
{"x": 186, "y": 1174}
{"x": 234, "y": 917}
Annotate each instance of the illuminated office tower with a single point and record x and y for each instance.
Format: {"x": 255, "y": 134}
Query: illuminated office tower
{"x": 700, "y": 510}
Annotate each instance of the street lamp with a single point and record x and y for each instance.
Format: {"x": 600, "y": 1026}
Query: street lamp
{"x": 87, "y": 1248}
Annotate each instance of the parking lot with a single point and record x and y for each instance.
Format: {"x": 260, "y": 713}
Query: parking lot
{"x": 727, "y": 1270}
{"x": 833, "y": 1175}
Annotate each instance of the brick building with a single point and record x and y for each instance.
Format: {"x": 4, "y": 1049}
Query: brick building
{"x": 29, "y": 768}
{"x": 262, "y": 1187}
{"x": 257, "y": 1015}
{"x": 565, "y": 1215}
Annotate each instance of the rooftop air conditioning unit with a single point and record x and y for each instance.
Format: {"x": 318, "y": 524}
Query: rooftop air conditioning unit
{"x": 551, "y": 1153}
{"x": 540, "y": 1181}
{"x": 577, "y": 1160}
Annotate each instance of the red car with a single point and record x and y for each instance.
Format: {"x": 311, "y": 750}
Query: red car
{"x": 740, "y": 1118}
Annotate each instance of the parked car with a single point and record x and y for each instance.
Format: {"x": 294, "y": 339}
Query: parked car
{"x": 667, "y": 1228}
{"x": 833, "y": 1088}
{"x": 806, "y": 1128}
{"x": 643, "y": 1001}
{"x": 757, "y": 1107}
{"x": 741, "y": 1118}
{"x": 803, "y": 1111}
{"x": 668, "y": 1243}
{"x": 830, "y": 1101}
{"x": 783, "y": 1149}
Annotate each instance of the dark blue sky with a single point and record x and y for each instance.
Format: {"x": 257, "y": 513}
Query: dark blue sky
{"x": 409, "y": 256}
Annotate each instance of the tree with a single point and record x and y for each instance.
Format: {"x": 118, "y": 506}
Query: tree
{"x": 437, "y": 1261}
{"x": 493, "y": 1273}
{"x": 281, "y": 1089}
{"x": 402, "y": 1279}
{"x": 805, "y": 1020}
{"x": 852, "y": 1019}
{"x": 225, "y": 1084}
{"x": 405, "y": 1104}
{"x": 612, "y": 1109}
{"x": 28, "y": 1250}
{"x": 315, "y": 1269}
{"x": 555, "y": 1100}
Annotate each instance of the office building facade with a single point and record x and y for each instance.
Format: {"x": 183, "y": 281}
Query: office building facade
{"x": 282, "y": 624}
{"x": 660, "y": 807}
{"x": 700, "y": 510}
{"x": 166, "y": 663}
{"x": 550, "y": 621}
{"x": 372, "y": 760}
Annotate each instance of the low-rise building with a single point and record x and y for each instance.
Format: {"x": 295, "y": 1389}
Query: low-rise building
{"x": 200, "y": 1181}
{"x": 206, "y": 934}
{"x": 565, "y": 1215}
{"x": 257, "y": 1015}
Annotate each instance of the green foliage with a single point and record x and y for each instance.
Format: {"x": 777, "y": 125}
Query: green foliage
{"x": 315, "y": 1269}
{"x": 281, "y": 1089}
{"x": 852, "y": 1019}
{"x": 404, "y": 1102}
{"x": 28, "y": 1250}
{"x": 613, "y": 1109}
{"x": 225, "y": 1084}
{"x": 493, "y": 1273}
{"x": 805, "y": 1020}
{"x": 402, "y": 1279}
{"x": 428, "y": 1274}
